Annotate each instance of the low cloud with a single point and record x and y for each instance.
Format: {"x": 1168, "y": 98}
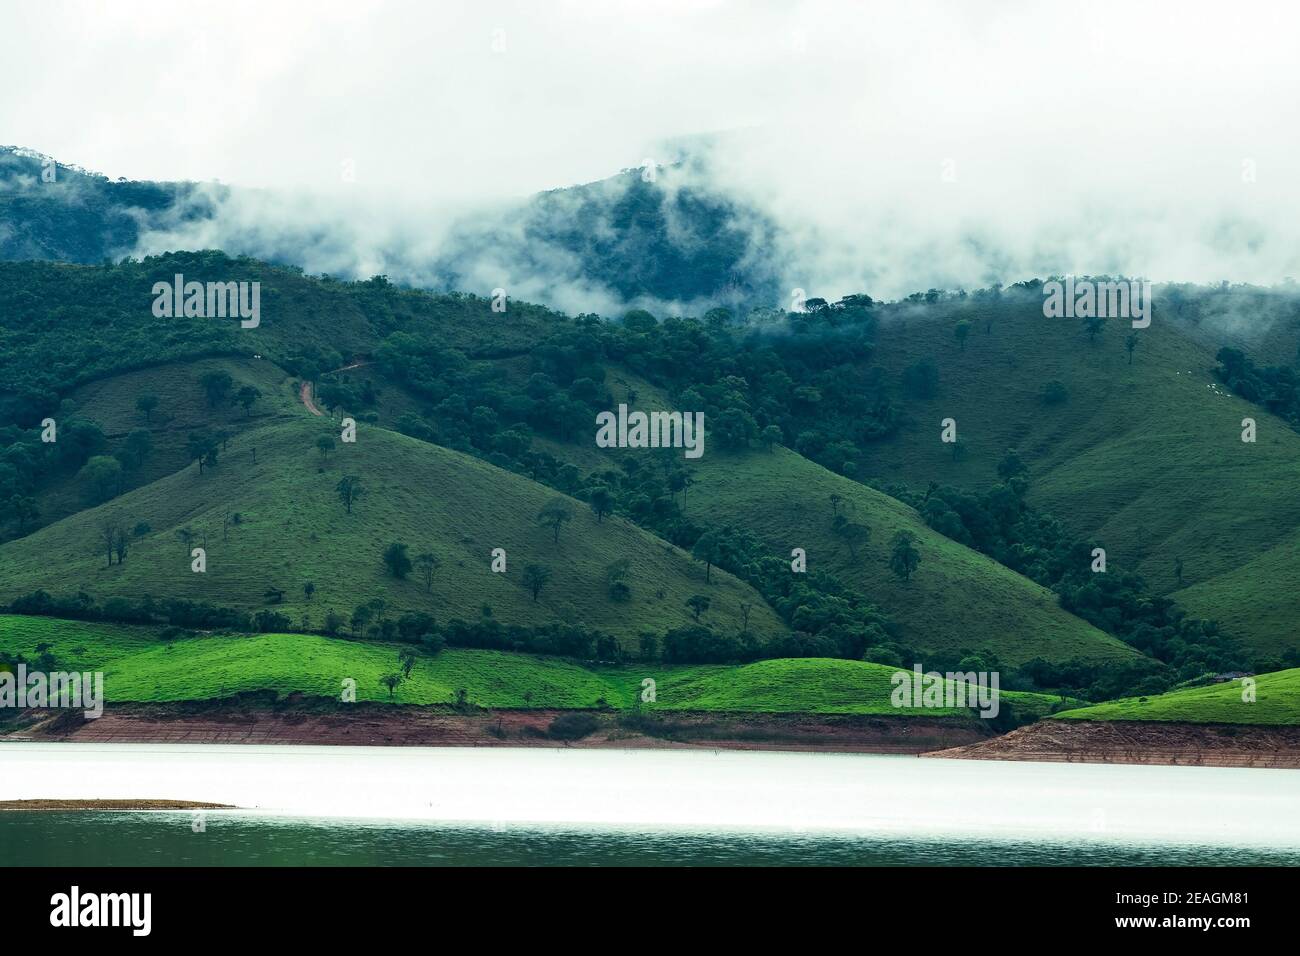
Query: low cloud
{"x": 884, "y": 148}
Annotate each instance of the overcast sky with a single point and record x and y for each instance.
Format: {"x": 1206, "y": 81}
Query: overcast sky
{"x": 900, "y": 144}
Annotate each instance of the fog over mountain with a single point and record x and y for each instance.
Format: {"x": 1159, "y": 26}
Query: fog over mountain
{"x": 885, "y": 149}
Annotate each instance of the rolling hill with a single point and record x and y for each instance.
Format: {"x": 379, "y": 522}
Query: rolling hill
{"x": 1277, "y": 701}
{"x": 139, "y": 667}
{"x": 959, "y": 599}
{"x": 1147, "y": 458}
{"x": 111, "y": 403}
{"x": 293, "y": 529}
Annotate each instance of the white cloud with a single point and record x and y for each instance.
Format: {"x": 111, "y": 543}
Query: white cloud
{"x": 1106, "y": 136}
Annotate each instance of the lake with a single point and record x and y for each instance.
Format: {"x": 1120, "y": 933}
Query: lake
{"x": 437, "y": 806}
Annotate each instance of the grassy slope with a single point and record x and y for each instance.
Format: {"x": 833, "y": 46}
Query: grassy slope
{"x": 139, "y": 668}
{"x": 111, "y": 403}
{"x": 1277, "y": 702}
{"x": 957, "y": 599}
{"x": 1257, "y": 600}
{"x": 295, "y": 530}
{"x": 1147, "y": 458}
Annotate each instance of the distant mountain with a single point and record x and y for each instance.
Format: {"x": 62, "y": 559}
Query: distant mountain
{"x": 63, "y": 213}
{"x": 658, "y": 242}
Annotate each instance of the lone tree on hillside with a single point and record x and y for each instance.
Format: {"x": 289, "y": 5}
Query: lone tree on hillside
{"x": 554, "y": 516}
{"x": 121, "y": 543}
{"x": 216, "y": 386}
{"x": 146, "y": 403}
{"x": 616, "y": 575}
{"x": 349, "y": 489}
{"x": 406, "y": 658}
{"x": 1093, "y": 325}
{"x": 698, "y": 603}
{"x": 1130, "y": 343}
{"x": 399, "y": 565}
{"x": 771, "y": 436}
{"x": 905, "y": 557}
{"x": 535, "y": 578}
{"x": 961, "y": 330}
{"x": 428, "y": 563}
{"x": 391, "y": 681}
{"x": 308, "y": 589}
{"x": 202, "y": 447}
{"x": 679, "y": 480}
{"x": 110, "y": 531}
{"x": 853, "y": 534}
{"x": 326, "y": 445}
{"x": 247, "y": 396}
{"x": 708, "y": 551}
{"x": 601, "y": 500}
{"x": 187, "y": 538}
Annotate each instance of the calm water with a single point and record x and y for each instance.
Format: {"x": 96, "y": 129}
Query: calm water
{"x": 433, "y": 806}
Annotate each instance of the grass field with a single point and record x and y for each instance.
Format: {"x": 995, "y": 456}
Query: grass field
{"x": 138, "y": 667}
{"x": 294, "y": 529}
{"x": 1277, "y": 701}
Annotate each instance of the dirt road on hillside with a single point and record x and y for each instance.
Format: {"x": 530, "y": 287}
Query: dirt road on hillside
{"x": 305, "y": 395}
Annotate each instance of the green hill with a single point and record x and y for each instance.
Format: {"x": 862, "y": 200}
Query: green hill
{"x": 293, "y": 529}
{"x": 1146, "y": 458}
{"x": 111, "y": 403}
{"x": 138, "y": 667}
{"x": 958, "y": 599}
{"x": 1277, "y": 701}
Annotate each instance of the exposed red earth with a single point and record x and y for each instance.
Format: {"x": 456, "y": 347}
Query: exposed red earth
{"x": 380, "y": 725}
{"x": 1061, "y": 741}
{"x": 1140, "y": 742}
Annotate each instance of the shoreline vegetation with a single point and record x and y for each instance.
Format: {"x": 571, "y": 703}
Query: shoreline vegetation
{"x": 100, "y": 805}
{"x": 175, "y": 686}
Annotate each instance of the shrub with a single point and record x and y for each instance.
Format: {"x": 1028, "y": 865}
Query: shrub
{"x": 573, "y": 726}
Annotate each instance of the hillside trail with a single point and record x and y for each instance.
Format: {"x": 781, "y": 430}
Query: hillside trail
{"x": 304, "y": 393}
